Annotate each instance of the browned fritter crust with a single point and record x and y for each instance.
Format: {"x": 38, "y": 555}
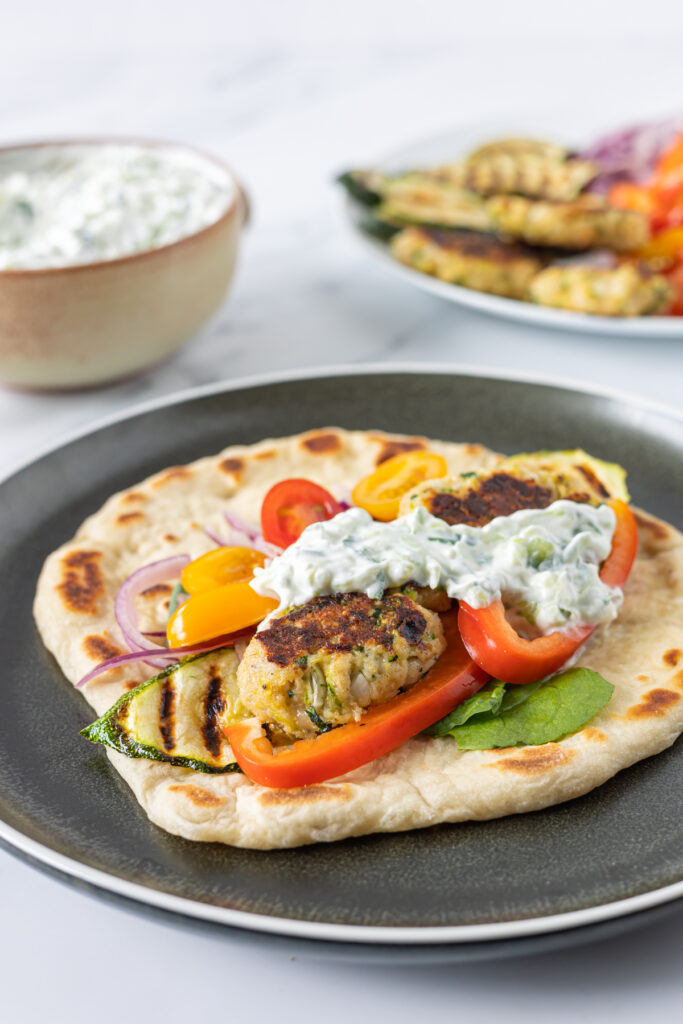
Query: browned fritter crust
{"x": 497, "y": 495}
{"x": 470, "y": 259}
{"x": 587, "y": 222}
{"x": 324, "y": 663}
{"x": 340, "y": 622}
{"x": 480, "y": 244}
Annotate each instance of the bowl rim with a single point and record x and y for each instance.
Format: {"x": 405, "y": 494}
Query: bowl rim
{"x": 239, "y": 199}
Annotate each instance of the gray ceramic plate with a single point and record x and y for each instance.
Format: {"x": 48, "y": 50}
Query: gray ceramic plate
{"x": 478, "y": 889}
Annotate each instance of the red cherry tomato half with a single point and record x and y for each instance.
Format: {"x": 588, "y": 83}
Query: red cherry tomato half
{"x": 292, "y": 505}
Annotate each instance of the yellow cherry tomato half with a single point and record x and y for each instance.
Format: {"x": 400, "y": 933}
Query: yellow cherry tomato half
{"x": 216, "y": 568}
{"x": 215, "y": 612}
{"x": 380, "y": 493}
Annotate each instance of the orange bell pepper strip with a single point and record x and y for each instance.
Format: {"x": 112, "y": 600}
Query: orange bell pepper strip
{"x": 497, "y": 647}
{"x": 628, "y": 196}
{"x": 671, "y": 159}
{"x": 381, "y": 729}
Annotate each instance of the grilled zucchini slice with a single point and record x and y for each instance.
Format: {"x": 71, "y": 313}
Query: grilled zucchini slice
{"x": 178, "y": 716}
{"x": 363, "y": 186}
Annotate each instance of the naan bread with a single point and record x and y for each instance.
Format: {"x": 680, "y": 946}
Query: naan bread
{"x": 425, "y": 781}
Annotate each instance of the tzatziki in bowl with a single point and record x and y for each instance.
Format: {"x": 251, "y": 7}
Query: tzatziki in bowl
{"x": 112, "y": 254}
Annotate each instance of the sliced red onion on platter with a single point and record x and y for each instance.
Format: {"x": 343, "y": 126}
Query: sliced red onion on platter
{"x": 630, "y": 153}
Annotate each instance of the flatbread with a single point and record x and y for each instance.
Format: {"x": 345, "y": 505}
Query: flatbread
{"x": 425, "y": 781}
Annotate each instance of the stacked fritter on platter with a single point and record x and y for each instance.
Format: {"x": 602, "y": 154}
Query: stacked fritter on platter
{"x": 512, "y": 219}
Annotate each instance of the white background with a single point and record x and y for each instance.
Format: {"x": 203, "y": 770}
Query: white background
{"x": 289, "y": 93}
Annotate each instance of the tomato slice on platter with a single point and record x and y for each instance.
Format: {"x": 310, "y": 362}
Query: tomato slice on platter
{"x": 497, "y": 647}
{"x": 453, "y": 679}
{"x": 380, "y": 493}
{"x": 292, "y": 505}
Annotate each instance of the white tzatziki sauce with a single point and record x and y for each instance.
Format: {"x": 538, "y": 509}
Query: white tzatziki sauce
{"x": 64, "y": 205}
{"x": 543, "y": 562}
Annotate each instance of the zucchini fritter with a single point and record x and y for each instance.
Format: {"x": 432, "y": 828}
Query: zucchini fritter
{"x": 530, "y": 480}
{"x": 624, "y": 291}
{"x": 585, "y": 223}
{"x": 323, "y": 663}
{"x": 521, "y": 147}
{"x": 470, "y": 259}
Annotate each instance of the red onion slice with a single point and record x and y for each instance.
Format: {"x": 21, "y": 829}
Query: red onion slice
{"x": 254, "y": 538}
{"x": 124, "y": 609}
{"x": 629, "y": 154}
{"x": 172, "y": 653}
{"x": 213, "y": 537}
{"x": 241, "y": 525}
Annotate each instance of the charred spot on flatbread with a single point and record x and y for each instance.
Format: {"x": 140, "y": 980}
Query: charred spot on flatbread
{"x": 657, "y": 529}
{"x": 100, "y": 648}
{"x": 157, "y": 590}
{"x": 133, "y": 496}
{"x": 173, "y": 473}
{"x": 496, "y": 495}
{"x": 654, "y": 704}
{"x": 82, "y": 581}
{"x": 672, "y": 657}
{"x": 234, "y": 466}
{"x": 322, "y": 444}
{"x": 536, "y": 760}
{"x": 307, "y": 795}
{"x": 268, "y": 453}
{"x": 391, "y": 448}
{"x": 198, "y": 796}
{"x": 591, "y": 733}
{"x": 129, "y": 517}
{"x": 170, "y": 537}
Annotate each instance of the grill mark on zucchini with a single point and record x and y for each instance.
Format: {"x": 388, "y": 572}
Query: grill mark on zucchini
{"x": 166, "y": 714}
{"x": 213, "y": 705}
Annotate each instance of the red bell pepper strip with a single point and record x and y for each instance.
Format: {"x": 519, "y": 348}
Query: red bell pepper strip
{"x": 381, "y": 729}
{"x": 496, "y": 646}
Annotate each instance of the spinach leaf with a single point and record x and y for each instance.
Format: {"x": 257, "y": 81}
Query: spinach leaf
{"x": 559, "y": 706}
{"x": 488, "y": 699}
{"x": 515, "y": 695}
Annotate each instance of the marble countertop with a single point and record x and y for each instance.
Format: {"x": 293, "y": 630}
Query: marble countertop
{"x": 305, "y": 295}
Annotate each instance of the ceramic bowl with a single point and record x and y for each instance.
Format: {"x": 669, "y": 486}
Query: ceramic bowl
{"x": 87, "y": 324}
